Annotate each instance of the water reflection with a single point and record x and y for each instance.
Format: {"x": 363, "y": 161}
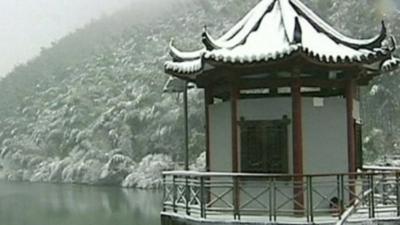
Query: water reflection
{"x": 49, "y": 204}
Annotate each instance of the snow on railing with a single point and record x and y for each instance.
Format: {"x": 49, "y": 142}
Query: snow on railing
{"x": 381, "y": 168}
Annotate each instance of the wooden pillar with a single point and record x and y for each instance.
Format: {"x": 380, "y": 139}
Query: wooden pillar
{"x": 208, "y": 100}
{"x": 297, "y": 131}
{"x": 235, "y": 117}
{"x": 351, "y": 147}
{"x": 185, "y": 113}
{"x": 297, "y": 128}
{"x": 236, "y": 168}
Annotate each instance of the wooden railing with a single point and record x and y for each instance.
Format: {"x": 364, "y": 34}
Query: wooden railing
{"x": 304, "y": 197}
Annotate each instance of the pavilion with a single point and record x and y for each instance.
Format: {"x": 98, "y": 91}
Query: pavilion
{"x": 282, "y": 99}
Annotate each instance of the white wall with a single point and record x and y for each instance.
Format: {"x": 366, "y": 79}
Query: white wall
{"x": 325, "y": 136}
{"x": 324, "y": 131}
{"x": 220, "y": 138}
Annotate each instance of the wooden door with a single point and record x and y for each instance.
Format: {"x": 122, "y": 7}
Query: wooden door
{"x": 264, "y": 147}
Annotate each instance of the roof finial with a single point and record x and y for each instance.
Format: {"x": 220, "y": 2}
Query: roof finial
{"x": 383, "y": 29}
{"x": 171, "y": 42}
{"x": 204, "y": 29}
{"x": 297, "y": 34}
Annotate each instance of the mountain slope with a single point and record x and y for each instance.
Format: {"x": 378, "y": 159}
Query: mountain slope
{"x": 89, "y": 118}
{"x": 91, "y": 110}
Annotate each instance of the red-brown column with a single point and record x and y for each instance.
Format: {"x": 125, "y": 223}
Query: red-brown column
{"x": 235, "y": 129}
{"x": 186, "y": 114}
{"x": 297, "y": 144}
{"x": 208, "y": 100}
{"x": 350, "y": 126}
{"x": 235, "y": 93}
{"x": 351, "y": 147}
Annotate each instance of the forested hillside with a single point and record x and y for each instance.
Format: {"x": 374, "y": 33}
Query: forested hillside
{"x": 90, "y": 109}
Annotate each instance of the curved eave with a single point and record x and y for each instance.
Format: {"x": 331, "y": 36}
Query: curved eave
{"x": 180, "y": 56}
{"x": 191, "y": 77}
{"x": 324, "y": 27}
{"x": 366, "y": 58}
{"x": 184, "y": 70}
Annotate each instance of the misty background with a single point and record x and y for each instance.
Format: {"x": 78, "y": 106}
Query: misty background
{"x": 28, "y": 25}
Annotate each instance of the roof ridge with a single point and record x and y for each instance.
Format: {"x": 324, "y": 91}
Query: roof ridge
{"x": 260, "y": 10}
{"x": 238, "y": 26}
{"x": 283, "y": 22}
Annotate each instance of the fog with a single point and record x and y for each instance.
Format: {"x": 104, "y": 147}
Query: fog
{"x": 28, "y": 25}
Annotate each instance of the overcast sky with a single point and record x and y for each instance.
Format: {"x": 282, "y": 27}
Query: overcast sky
{"x": 28, "y": 25}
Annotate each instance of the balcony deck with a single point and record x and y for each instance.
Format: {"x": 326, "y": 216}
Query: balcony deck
{"x": 237, "y": 198}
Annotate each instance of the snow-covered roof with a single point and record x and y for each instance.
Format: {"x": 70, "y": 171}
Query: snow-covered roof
{"x": 275, "y": 29}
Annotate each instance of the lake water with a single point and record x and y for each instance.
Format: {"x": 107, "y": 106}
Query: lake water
{"x": 53, "y": 204}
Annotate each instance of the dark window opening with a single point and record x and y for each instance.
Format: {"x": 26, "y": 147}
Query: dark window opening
{"x": 264, "y": 146}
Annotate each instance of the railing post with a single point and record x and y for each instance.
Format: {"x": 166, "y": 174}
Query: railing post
{"x": 187, "y": 195}
{"x": 338, "y": 196}
{"x": 274, "y": 199}
{"x": 341, "y": 199}
{"x": 235, "y": 193}
{"x": 369, "y": 196}
{"x": 372, "y": 196}
{"x": 270, "y": 197}
{"x": 398, "y": 192}
{"x": 202, "y": 199}
{"x": 352, "y": 180}
{"x": 364, "y": 187}
{"x": 310, "y": 205}
{"x": 385, "y": 194}
{"x": 164, "y": 192}
{"x": 174, "y": 193}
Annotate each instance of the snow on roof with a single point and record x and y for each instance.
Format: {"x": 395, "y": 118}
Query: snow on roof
{"x": 390, "y": 64}
{"x": 275, "y": 29}
{"x": 185, "y": 67}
